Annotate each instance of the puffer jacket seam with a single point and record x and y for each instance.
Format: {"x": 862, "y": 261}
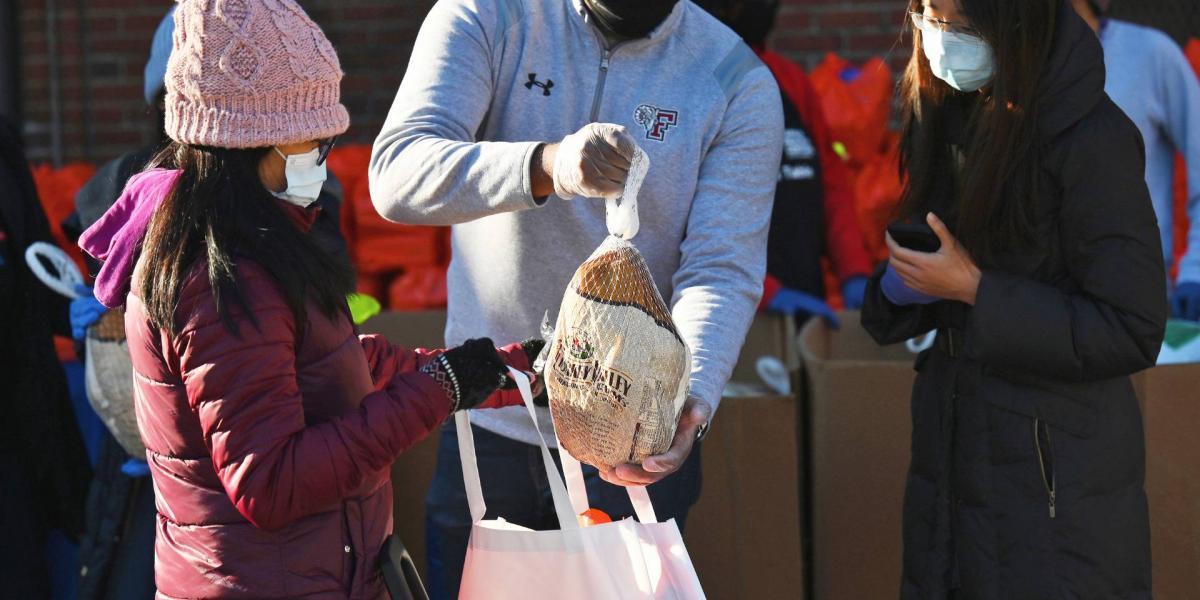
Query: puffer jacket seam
{"x": 350, "y": 340}
{"x": 197, "y": 459}
{"x": 216, "y": 320}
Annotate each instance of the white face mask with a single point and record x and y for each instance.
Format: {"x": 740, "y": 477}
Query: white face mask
{"x": 965, "y": 62}
{"x": 304, "y": 178}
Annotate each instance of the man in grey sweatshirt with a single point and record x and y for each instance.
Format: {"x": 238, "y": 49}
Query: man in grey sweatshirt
{"x": 469, "y": 142}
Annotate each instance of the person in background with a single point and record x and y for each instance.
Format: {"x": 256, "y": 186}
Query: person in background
{"x": 1150, "y": 79}
{"x": 813, "y": 215}
{"x": 43, "y": 465}
{"x": 470, "y": 142}
{"x": 116, "y": 553}
{"x": 269, "y": 425}
{"x": 1047, "y": 292}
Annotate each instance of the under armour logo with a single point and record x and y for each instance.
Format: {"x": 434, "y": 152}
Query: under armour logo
{"x": 656, "y": 121}
{"x": 533, "y": 82}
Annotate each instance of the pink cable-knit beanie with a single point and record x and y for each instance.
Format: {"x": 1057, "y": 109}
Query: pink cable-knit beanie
{"x": 250, "y": 74}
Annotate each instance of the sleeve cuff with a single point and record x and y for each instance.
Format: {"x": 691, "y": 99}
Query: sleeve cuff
{"x": 702, "y": 394}
{"x": 527, "y": 179}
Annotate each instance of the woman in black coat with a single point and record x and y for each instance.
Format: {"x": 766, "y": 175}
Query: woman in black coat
{"x": 1047, "y": 292}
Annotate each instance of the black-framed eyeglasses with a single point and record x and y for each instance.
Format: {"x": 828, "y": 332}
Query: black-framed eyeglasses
{"x": 324, "y": 147}
{"x": 928, "y": 23}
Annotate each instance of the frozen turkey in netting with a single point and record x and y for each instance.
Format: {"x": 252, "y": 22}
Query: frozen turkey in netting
{"x": 617, "y": 371}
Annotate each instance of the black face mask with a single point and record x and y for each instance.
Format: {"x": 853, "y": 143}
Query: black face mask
{"x": 629, "y": 19}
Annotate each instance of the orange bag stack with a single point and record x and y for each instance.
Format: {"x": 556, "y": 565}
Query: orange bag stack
{"x": 404, "y": 266}
{"x": 857, "y": 103}
{"x": 56, "y": 189}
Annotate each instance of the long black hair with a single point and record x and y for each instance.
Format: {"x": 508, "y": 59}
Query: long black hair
{"x": 995, "y": 190}
{"x": 220, "y": 210}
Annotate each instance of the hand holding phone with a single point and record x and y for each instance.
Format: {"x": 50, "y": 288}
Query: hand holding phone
{"x": 914, "y": 235}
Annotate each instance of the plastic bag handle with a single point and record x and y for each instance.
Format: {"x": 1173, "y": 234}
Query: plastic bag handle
{"x": 470, "y": 465}
{"x": 68, "y": 274}
{"x": 638, "y": 496}
{"x": 621, "y": 213}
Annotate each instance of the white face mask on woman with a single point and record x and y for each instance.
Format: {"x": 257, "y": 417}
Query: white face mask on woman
{"x": 304, "y": 178}
{"x": 965, "y": 62}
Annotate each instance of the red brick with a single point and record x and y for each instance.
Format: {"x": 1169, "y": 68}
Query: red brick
{"x": 849, "y": 18}
{"x": 124, "y": 44}
{"x": 874, "y": 43}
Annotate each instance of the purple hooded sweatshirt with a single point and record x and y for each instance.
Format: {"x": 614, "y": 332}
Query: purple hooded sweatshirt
{"x": 116, "y": 239}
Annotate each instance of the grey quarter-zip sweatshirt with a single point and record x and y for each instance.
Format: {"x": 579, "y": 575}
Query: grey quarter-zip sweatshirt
{"x": 490, "y": 79}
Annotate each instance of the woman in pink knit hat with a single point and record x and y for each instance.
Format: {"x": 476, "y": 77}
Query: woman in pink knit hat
{"x": 269, "y": 425}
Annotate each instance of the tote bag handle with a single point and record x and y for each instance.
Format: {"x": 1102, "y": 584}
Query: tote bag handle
{"x": 577, "y": 490}
{"x": 470, "y": 466}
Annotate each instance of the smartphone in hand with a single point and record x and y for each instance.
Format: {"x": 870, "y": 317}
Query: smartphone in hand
{"x": 914, "y": 235}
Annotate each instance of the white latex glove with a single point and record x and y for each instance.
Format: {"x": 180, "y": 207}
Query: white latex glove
{"x": 593, "y": 162}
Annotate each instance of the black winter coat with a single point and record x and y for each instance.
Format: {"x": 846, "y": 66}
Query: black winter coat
{"x": 1027, "y": 471}
{"x": 38, "y": 424}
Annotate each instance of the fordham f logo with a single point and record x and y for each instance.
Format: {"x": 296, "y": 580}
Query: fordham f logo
{"x": 656, "y": 121}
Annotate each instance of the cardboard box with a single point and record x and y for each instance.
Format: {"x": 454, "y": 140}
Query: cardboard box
{"x": 1170, "y": 398}
{"x": 745, "y": 534}
{"x": 769, "y": 335}
{"x": 415, "y": 329}
{"x": 413, "y": 471}
{"x": 857, "y": 399}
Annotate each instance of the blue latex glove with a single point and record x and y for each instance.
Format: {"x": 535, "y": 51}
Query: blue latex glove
{"x": 792, "y": 302}
{"x": 85, "y": 311}
{"x": 135, "y": 468}
{"x": 854, "y": 290}
{"x": 899, "y": 294}
{"x": 1185, "y": 302}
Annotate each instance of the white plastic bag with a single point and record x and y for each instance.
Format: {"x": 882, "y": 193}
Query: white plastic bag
{"x": 622, "y": 560}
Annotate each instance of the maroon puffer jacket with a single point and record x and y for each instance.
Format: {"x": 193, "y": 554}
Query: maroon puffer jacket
{"x": 270, "y": 454}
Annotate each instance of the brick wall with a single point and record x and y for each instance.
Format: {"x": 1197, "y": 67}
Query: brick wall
{"x": 103, "y": 45}
{"x": 103, "y": 49}
{"x": 856, "y": 29}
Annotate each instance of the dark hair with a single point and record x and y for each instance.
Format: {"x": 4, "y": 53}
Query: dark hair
{"x": 219, "y": 209}
{"x": 995, "y": 190}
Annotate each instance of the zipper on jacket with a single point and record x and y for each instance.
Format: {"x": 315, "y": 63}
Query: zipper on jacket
{"x": 600, "y": 84}
{"x": 350, "y": 556}
{"x": 606, "y": 53}
{"x": 1046, "y": 461}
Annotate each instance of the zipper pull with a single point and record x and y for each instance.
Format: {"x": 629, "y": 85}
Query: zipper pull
{"x": 604, "y": 60}
{"x": 1052, "y": 494}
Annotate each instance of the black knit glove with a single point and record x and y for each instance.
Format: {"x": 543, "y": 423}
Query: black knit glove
{"x": 469, "y": 373}
{"x": 533, "y": 349}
